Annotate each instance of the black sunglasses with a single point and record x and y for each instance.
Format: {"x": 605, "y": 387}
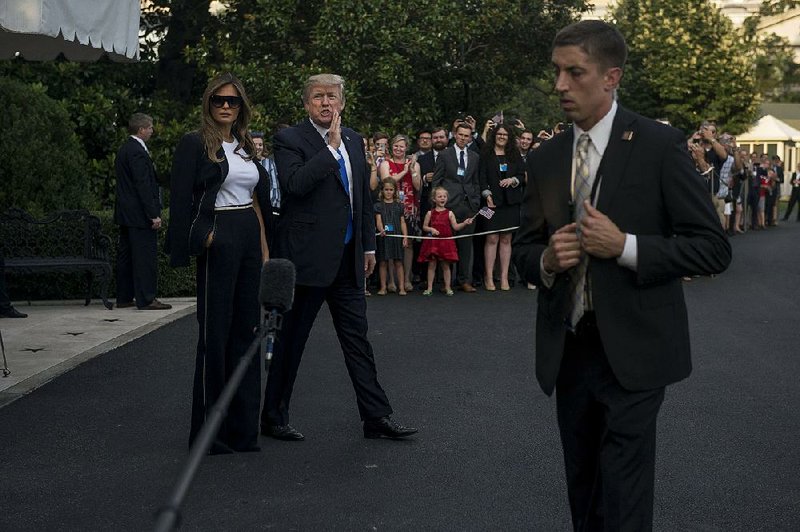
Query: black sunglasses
{"x": 234, "y": 102}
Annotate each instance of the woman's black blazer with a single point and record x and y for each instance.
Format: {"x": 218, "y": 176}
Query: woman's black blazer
{"x": 194, "y": 185}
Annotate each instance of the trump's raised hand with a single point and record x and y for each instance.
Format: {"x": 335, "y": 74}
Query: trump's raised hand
{"x": 335, "y": 131}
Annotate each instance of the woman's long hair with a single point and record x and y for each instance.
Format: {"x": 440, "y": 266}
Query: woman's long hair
{"x": 209, "y": 130}
{"x": 511, "y": 149}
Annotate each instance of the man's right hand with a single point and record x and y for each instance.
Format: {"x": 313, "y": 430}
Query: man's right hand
{"x": 335, "y": 131}
{"x": 563, "y": 251}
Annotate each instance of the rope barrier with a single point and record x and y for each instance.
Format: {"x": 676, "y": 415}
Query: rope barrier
{"x": 504, "y": 230}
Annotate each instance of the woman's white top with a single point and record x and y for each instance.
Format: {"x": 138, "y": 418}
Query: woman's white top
{"x": 237, "y": 189}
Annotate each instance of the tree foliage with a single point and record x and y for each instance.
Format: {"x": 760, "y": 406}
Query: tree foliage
{"x": 777, "y": 72}
{"x": 687, "y": 63}
{"x": 406, "y": 63}
{"x": 42, "y": 163}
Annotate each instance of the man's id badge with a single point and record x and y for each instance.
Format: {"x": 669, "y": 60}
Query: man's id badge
{"x": 461, "y": 172}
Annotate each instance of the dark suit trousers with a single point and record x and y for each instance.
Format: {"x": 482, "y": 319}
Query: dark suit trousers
{"x": 464, "y": 245}
{"x": 5, "y": 301}
{"x": 792, "y": 200}
{"x": 271, "y": 221}
{"x": 228, "y": 311}
{"x": 348, "y": 308}
{"x": 769, "y": 203}
{"x": 137, "y": 265}
{"x": 609, "y": 438}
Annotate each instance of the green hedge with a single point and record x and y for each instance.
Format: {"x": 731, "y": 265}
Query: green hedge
{"x": 42, "y": 163}
{"x": 172, "y": 282}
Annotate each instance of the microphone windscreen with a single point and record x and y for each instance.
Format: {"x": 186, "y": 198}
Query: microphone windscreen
{"x": 276, "y": 291}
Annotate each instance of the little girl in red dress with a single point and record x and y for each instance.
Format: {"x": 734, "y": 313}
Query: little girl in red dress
{"x": 440, "y": 222}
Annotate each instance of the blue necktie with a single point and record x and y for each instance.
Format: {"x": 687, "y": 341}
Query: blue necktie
{"x": 343, "y": 174}
{"x": 461, "y": 163}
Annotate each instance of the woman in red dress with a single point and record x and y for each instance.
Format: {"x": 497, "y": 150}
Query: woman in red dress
{"x": 405, "y": 172}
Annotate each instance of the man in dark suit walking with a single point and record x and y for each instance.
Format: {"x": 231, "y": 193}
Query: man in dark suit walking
{"x": 614, "y": 215}
{"x": 795, "y": 196}
{"x": 137, "y": 211}
{"x": 457, "y": 171}
{"x": 327, "y": 230}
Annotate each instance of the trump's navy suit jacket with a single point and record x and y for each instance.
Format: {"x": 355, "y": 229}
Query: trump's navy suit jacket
{"x": 315, "y": 204}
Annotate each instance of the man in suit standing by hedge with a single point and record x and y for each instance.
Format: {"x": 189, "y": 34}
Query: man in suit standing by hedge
{"x": 137, "y": 211}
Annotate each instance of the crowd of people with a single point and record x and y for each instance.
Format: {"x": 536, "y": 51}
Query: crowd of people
{"x": 745, "y": 187}
{"x": 485, "y": 192}
{"x": 483, "y": 179}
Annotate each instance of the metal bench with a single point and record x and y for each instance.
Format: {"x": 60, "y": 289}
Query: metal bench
{"x": 66, "y": 241}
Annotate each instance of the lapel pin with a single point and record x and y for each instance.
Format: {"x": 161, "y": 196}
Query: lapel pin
{"x": 628, "y": 135}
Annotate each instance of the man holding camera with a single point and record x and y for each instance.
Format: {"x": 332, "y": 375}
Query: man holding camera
{"x": 715, "y": 155}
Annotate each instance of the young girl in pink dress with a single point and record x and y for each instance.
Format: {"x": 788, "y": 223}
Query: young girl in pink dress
{"x": 440, "y": 222}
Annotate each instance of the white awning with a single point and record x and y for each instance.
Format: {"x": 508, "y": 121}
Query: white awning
{"x": 83, "y": 30}
{"x": 768, "y": 128}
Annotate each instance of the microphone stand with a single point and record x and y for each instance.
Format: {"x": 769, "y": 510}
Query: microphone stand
{"x": 274, "y": 320}
{"x": 168, "y": 516}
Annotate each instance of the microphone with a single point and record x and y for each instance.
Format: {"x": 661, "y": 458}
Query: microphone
{"x": 275, "y": 293}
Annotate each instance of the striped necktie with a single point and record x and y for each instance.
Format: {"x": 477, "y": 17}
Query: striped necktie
{"x": 583, "y": 191}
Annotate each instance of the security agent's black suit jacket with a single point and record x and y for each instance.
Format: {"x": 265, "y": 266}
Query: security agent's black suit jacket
{"x": 648, "y": 188}
{"x": 194, "y": 185}
{"x": 137, "y": 202}
{"x": 315, "y": 204}
{"x": 464, "y": 195}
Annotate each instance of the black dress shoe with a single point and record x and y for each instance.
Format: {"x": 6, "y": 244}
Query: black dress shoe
{"x": 128, "y": 304}
{"x": 385, "y": 427}
{"x": 219, "y": 447}
{"x": 157, "y": 305}
{"x": 282, "y": 432}
{"x": 12, "y": 313}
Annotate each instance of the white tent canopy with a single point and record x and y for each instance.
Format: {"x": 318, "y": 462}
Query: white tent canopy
{"x": 770, "y": 129}
{"x": 83, "y": 30}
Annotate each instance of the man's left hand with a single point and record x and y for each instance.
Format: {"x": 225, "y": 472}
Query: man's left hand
{"x": 156, "y": 223}
{"x": 369, "y": 263}
{"x": 600, "y": 237}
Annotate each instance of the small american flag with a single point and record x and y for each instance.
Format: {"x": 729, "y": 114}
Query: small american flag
{"x": 486, "y": 212}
